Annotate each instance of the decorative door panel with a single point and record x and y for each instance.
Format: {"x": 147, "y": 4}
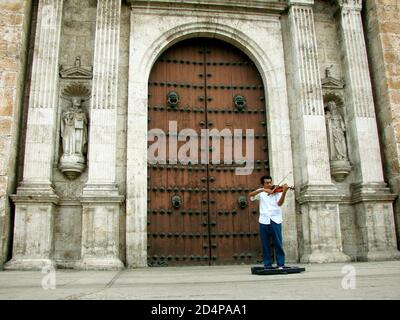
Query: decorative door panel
{"x": 198, "y": 210}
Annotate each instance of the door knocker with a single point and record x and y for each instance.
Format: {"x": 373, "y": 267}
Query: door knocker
{"x": 172, "y": 99}
{"x": 242, "y": 201}
{"x": 240, "y": 102}
{"x": 176, "y": 202}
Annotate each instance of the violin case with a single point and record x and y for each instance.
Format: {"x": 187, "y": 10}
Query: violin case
{"x": 274, "y": 270}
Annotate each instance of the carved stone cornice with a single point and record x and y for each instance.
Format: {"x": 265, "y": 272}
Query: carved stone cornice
{"x": 371, "y": 192}
{"x": 270, "y": 6}
{"x": 35, "y": 193}
{"x": 319, "y": 193}
{"x": 330, "y": 82}
{"x": 77, "y": 71}
{"x": 101, "y": 193}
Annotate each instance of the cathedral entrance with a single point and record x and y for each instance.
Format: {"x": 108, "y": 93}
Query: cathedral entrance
{"x": 198, "y": 209}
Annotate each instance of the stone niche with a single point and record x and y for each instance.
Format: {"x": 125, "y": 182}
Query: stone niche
{"x": 335, "y": 117}
{"x": 74, "y": 131}
{"x": 337, "y": 141}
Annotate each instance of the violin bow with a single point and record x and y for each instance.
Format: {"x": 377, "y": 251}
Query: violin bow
{"x": 283, "y": 179}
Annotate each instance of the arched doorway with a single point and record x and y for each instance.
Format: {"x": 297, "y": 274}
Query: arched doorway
{"x": 198, "y": 211}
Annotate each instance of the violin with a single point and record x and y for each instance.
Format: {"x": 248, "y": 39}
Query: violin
{"x": 278, "y": 188}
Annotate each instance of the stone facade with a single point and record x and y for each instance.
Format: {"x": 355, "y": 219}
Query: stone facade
{"x": 311, "y": 56}
{"x": 382, "y": 25}
{"x": 14, "y": 31}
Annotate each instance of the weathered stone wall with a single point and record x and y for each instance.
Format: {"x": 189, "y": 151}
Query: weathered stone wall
{"x": 15, "y": 17}
{"x": 382, "y": 29}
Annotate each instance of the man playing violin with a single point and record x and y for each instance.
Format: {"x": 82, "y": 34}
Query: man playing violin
{"x": 271, "y": 198}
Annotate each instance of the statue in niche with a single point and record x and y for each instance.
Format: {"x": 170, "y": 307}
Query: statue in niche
{"x": 340, "y": 166}
{"x": 74, "y": 134}
{"x": 74, "y": 129}
{"x": 338, "y": 132}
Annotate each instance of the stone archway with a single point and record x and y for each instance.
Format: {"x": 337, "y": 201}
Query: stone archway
{"x": 143, "y": 53}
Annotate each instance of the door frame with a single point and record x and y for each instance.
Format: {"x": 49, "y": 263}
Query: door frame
{"x": 147, "y": 41}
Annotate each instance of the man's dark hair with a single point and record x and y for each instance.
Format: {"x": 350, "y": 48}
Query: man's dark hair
{"x": 266, "y": 176}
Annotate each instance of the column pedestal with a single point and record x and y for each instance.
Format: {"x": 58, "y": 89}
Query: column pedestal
{"x": 321, "y": 225}
{"x": 100, "y": 228}
{"x": 375, "y": 221}
{"x": 33, "y": 245}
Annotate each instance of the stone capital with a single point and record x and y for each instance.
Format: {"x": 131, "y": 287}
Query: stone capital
{"x": 300, "y": 2}
{"x": 350, "y": 4}
{"x": 371, "y": 192}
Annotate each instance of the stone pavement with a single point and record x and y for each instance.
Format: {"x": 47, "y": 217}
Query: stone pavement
{"x": 367, "y": 280}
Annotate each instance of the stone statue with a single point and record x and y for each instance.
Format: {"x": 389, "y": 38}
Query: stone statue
{"x": 328, "y": 73}
{"x": 74, "y": 133}
{"x": 339, "y": 163}
{"x": 338, "y": 132}
{"x": 74, "y": 129}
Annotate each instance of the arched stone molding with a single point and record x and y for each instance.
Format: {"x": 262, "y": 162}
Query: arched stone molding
{"x": 218, "y": 31}
{"x": 144, "y": 51}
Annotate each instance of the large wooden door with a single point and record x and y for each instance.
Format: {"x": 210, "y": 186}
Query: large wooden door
{"x": 199, "y": 213}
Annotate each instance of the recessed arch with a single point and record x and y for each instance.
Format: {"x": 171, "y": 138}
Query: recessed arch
{"x": 210, "y": 30}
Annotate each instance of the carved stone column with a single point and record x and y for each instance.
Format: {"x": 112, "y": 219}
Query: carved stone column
{"x": 370, "y": 195}
{"x": 318, "y": 197}
{"x": 101, "y": 200}
{"x": 35, "y": 199}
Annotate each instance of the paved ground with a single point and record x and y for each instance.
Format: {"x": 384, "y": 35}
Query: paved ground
{"x": 369, "y": 280}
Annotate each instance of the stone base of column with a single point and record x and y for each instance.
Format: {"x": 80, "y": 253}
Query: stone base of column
{"x": 383, "y": 255}
{"x": 100, "y": 228}
{"x": 137, "y": 254}
{"x": 33, "y": 245}
{"x": 373, "y": 204}
{"x": 320, "y": 222}
{"x": 100, "y": 263}
{"x": 324, "y": 257}
{"x": 22, "y": 263}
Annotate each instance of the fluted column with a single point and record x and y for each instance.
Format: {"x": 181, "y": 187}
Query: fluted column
{"x": 370, "y": 195}
{"x": 101, "y": 200}
{"x": 318, "y": 196}
{"x": 35, "y": 199}
{"x": 308, "y": 102}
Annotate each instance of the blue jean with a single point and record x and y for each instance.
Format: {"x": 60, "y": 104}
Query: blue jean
{"x": 274, "y": 230}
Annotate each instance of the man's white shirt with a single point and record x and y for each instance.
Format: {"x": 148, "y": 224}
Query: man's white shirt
{"x": 269, "y": 209}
